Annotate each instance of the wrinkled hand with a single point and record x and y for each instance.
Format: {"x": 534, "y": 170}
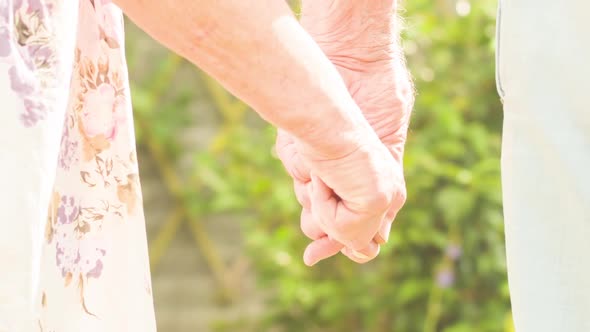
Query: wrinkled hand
{"x": 347, "y": 197}
{"x": 360, "y": 38}
{"x": 373, "y": 69}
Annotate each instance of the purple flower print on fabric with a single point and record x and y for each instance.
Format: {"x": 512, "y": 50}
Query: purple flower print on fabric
{"x": 29, "y": 36}
{"x": 68, "y": 210}
{"x": 68, "y": 153}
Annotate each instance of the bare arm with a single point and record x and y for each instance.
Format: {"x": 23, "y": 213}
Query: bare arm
{"x": 258, "y": 50}
{"x": 364, "y": 30}
{"x": 361, "y": 38}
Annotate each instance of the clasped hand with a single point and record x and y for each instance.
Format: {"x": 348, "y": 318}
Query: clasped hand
{"x": 349, "y": 201}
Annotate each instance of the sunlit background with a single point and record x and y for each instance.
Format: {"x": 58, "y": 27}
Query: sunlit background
{"x": 223, "y": 222}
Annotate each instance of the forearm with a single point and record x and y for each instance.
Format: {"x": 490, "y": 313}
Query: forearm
{"x": 258, "y": 51}
{"x": 367, "y": 30}
{"x": 362, "y": 39}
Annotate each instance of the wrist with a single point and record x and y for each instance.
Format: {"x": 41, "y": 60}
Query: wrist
{"x": 333, "y": 134}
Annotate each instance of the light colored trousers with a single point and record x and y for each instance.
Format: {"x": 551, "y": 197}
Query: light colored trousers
{"x": 543, "y": 74}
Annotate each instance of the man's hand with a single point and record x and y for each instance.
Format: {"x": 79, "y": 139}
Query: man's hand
{"x": 360, "y": 38}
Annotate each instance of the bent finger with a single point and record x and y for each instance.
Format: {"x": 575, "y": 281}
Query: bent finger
{"x": 384, "y": 231}
{"x": 290, "y": 158}
{"x": 364, "y": 255}
{"x": 321, "y": 249}
{"x": 309, "y": 226}
{"x": 324, "y": 201}
{"x": 302, "y": 193}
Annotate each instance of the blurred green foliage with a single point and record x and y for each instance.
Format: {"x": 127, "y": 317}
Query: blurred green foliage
{"x": 444, "y": 269}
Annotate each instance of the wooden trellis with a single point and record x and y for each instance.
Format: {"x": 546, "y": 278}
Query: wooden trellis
{"x": 232, "y": 112}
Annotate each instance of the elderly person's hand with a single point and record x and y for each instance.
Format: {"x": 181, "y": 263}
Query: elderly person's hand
{"x": 258, "y": 50}
{"x": 360, "y": 38}
{"x": 347, "y": 197}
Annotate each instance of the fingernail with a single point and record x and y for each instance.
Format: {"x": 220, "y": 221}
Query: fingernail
{"x": 379, "y": 239}
{"x": 358, "y": 254}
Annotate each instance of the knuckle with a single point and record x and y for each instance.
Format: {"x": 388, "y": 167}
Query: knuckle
{"x": 379, "y": 200}
{"x": 299, "y": 171}
{"x": 402, "y": 197}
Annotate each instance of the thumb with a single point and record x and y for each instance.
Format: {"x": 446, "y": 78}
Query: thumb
{"x": 321, "y": 249}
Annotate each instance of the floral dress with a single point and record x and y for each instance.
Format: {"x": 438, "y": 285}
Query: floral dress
{"x": 73, "y": 250}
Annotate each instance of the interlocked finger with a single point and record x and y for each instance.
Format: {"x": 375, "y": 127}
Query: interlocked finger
{"x": 309, "y": 226}
{"x": 302, "y": 193}
{"x": 363, "y": 256}
{"x": 338, "y": 221}
{"x": 289, "y": 156}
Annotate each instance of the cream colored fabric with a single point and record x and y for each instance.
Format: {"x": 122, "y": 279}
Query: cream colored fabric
{"x": 73, "y": 253}
{"x": 543, "y": 73}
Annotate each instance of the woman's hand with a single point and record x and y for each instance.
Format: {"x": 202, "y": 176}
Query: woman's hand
{"x": 346, "y": 199}
{"x": 260, "y": 53}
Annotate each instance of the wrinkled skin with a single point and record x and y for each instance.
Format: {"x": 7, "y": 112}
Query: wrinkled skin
{"x": 369, "y": 61}
{"x": 339, "y": 202}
